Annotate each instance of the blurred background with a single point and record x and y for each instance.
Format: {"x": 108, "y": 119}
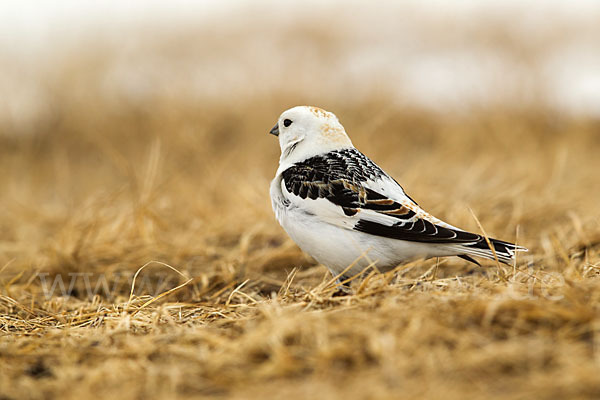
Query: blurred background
{"x": 148, "y": 120}
{"x": 137, "y": 130}
{"x": 446, "y": 56}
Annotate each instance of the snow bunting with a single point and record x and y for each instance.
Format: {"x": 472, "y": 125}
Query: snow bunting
{"x": 344, "y": 210}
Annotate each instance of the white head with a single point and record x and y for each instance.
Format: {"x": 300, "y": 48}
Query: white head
{"x": 308, "y": 131}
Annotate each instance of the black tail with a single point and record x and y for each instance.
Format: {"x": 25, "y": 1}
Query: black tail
{"x": 505, "y": 251}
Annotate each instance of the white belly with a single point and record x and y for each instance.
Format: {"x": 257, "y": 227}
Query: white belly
{"x": 337, "y": 248}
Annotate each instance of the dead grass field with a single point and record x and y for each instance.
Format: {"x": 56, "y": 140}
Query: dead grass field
{"x": 99, "y": 188}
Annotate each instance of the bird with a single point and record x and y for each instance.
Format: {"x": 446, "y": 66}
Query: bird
{"x": 347, "y": 213}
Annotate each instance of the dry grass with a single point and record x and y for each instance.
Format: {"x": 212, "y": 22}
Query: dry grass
{"x": 100, "y": 188}
{"x": 107, "y": 190}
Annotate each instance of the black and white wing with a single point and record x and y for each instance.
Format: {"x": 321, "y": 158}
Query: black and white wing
{"x": 347, "y": 189}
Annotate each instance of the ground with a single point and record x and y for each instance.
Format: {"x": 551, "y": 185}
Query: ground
{"x": 226, "y": 306}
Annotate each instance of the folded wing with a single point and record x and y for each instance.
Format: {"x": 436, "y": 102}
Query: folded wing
{"x": 347, "y": 189}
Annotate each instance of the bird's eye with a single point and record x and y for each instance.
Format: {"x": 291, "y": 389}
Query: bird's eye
{"x": 287, "y": 122}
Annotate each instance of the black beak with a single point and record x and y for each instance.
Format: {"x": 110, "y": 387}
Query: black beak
{"x": 275, "y": 130}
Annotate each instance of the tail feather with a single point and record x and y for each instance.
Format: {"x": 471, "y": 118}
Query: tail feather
{"x": 505, "y": 251}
